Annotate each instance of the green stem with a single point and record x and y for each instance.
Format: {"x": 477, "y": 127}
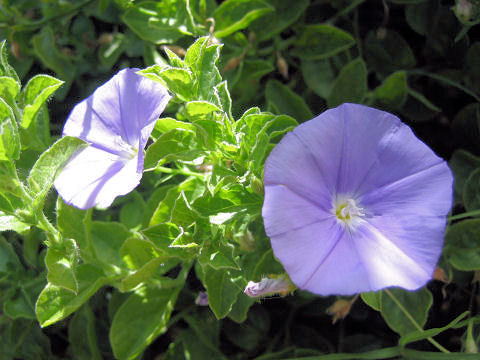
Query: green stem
{"x": 344, "y": 11}
{"x": 445, "y": 80}
{"x": 184, "y": 171}
{"x": 464, "y": 215}
{"x": 414, "y": 322}
{"x": 46, "y": 225}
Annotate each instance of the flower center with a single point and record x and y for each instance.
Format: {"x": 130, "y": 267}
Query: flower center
{"x": 348, "y": 212}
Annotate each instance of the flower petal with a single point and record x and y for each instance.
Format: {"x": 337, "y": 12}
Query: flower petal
{"x": 120, "y": 114}
{"x": 387, "y": 264}
{"x": 321, "y": 258}
{"x": 94, "y": 177}
{"x": 291, "y": 158}
{"x": 284, "y": 211}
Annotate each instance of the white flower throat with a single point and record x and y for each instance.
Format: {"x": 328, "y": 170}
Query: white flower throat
{"x": 348, "y": 212}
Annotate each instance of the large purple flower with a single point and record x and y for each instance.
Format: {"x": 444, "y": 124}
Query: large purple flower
{"x": 354, "y": 202}
{"x": 116, "y": 121}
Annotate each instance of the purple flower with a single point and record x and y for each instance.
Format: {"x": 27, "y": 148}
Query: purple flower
{"x": 116, "y": 121}
{"x": 354, "y": 202}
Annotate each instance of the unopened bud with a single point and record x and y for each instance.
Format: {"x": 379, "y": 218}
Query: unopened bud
{"x": 257, "y": 185}
{"x": 269, "y": 286}
{"x": 16, "y": 50}
{"x": 463, "y": 10}
{"x": 282, "y": 65}
{"x": 339, "y": 310}
{"x": 105, "y": 39}
{"x": 440, "y": 275}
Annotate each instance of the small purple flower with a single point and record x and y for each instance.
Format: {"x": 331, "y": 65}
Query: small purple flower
{"x": 354, "y": 202}
{"x": 202, "y": 299}
{"x": 116, "y": 121}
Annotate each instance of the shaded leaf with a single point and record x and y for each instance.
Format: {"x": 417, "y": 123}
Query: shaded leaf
{"x": 321, "y": 41}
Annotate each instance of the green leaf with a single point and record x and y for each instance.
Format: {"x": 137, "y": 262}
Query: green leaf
{"x": 147, "y": 311}
{"x": 106, "y": 239}
{"x": 138, "y": 252}
{"x": 166, "y": 124}
{"x": 462, "y": 164}
{"x": 19, "y": 306}
{"x": 421, "y": 335}
{"x": 466, "y": 126}
{"x": 45, "y": 48}
{"x": 202, "y": 58}
{"x": 71, "y": 223}
{"x": 234, "y": 15}
{"x": 35, "y": 94}
{"x": 9, "y": 140}
{"x": 177, "y": 144}
{"x": 229, "y": 199}
{"x": 240, "y": 308}
{"x": 6, "y": 112}
{"x": 163, "y": 235}
{"x": 267, "y": 264}
{"x": 471, "y": 191}
{"x": 159, "y": 22}
{"x": 43, "y": 173}
{"x": 8, "y": 257}
{"x": 9, "y": 222}
{"x": 140, "y": 276}
{"x": 200, "y": 108}
{"x": 61, "y": 262}
{"x": 9, "y": 89}
{"x": 423, "y": 100}
{"x": 273, "y": 23}
{"x": 5, "y": 68}
{"x": 462, "y": 245}
{"x": 55, "y": 303}
{"x": 206, "y": 329}
{"x": 350, "y": 85}
{"x": 392, "y": 92}
{"x": 321, "y": 41}
{"x": 224, "y": 97}
{"x": 131, "y": 213}
{"x": 218, "y": 255}
{"x": 388, "y": 52}
{"x": 177, "y": 80}
{"x": 285, "y": 101}
{"x": 319, "y": 76}
{"x": 82, "y": 335}
{"x": 405, "y": 311}
{"x": 373, "y": 299}
{"x": 222, "y": 291}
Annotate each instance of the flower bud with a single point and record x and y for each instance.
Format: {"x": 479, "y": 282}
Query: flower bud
{"x": 269, "y": 286}
{"x": 463, "y": 10}
{"x": 282, "y": 65}
{"x": 440, "y": 275}
{"x": 257, "y": 185}
{"x": 340, "y": 309}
